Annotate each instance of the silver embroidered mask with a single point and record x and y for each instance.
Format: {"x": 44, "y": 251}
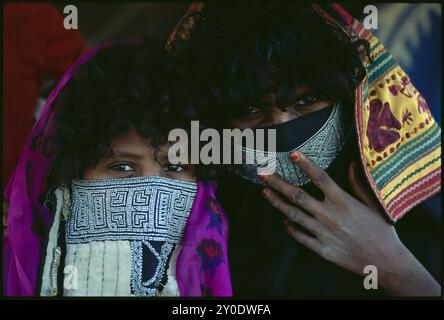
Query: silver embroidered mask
{"x": 322, "y": 148}
{"x": 146, "y": 215}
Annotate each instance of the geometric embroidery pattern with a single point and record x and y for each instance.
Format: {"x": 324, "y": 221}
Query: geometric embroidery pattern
{"x": 154, "y": 261}
{"x": 142, "y": 208}
{"x": 322, "y": 148}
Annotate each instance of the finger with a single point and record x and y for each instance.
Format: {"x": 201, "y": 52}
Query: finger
{"x": 304, "y": 239}
{"x": 293, "y": 213}
{"x": 318, "y": 176}
{"x": 293, "y": 194}
{"x": 361, "y": 191}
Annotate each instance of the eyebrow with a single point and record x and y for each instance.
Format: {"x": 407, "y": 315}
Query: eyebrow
{"x": 161, "y": 156}
{"x": 300, "y": 92}
{"x": 123, "y": 154}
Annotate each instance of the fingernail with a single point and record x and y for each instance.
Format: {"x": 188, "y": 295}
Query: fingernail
{"x": 265, "y": 192}
{"x": 295, "y": 156}
{"x": 262, "y": 178}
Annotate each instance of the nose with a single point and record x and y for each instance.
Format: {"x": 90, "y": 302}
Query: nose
{"x": 277, "y": 116}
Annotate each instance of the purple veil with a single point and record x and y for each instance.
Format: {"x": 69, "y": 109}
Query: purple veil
{"x": 202, "y": 264}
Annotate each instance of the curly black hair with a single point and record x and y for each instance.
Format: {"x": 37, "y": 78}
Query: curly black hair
{"x": 127, "y": 85}
{"x": 242, "y": 50}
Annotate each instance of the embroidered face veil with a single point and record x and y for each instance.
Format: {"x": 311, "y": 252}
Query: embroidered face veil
{"x": 145, "y": 235}
{"x": 381, "y": 96}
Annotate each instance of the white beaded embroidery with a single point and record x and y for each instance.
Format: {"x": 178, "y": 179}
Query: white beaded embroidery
{"x": 146, "y": 211}
{"x": 322, "y": 148}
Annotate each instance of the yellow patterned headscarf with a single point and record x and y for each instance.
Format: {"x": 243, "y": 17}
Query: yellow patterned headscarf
{"x": 399, "y": 140}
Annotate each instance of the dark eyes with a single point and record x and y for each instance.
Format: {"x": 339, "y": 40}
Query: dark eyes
{"x": 307, "y": 100}
{"x": 253, "y": 110}
{"x": 122, "y": 167}
{"x": 172, "y": 168}
{"x": 125, "y": 167}
{"x": 302, "y": 101}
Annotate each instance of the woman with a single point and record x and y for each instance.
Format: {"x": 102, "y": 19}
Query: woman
{"x": 94, "y": 186}
{"x": 343, "y": 111}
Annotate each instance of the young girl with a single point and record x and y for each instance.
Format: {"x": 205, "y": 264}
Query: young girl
{"x": 95, "y": 184}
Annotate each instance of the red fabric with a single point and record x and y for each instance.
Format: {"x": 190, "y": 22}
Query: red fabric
{"x": 348, "y": 19}
{"x": 36, "y": 47}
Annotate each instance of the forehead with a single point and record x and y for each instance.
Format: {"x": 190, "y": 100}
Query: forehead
{"x": 299, "y": 89}
{"x": 131, "y": 142}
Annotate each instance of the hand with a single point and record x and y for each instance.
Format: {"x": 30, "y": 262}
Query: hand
{"x": 346, "y": 231}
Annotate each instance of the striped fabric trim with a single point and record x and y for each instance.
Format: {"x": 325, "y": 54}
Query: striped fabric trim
{"x": 377, "y": 50}
{"x": 420, "y": 196}
{"x": 419, "y": 146}
{"x": 431, "y": 130}
{"x": 406, "y": 193}
{"x": 409, "y": 164}
{"x": 416, "y": 162}
{"x": 411, "y": 174}
{"x": 382, "y": 65}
